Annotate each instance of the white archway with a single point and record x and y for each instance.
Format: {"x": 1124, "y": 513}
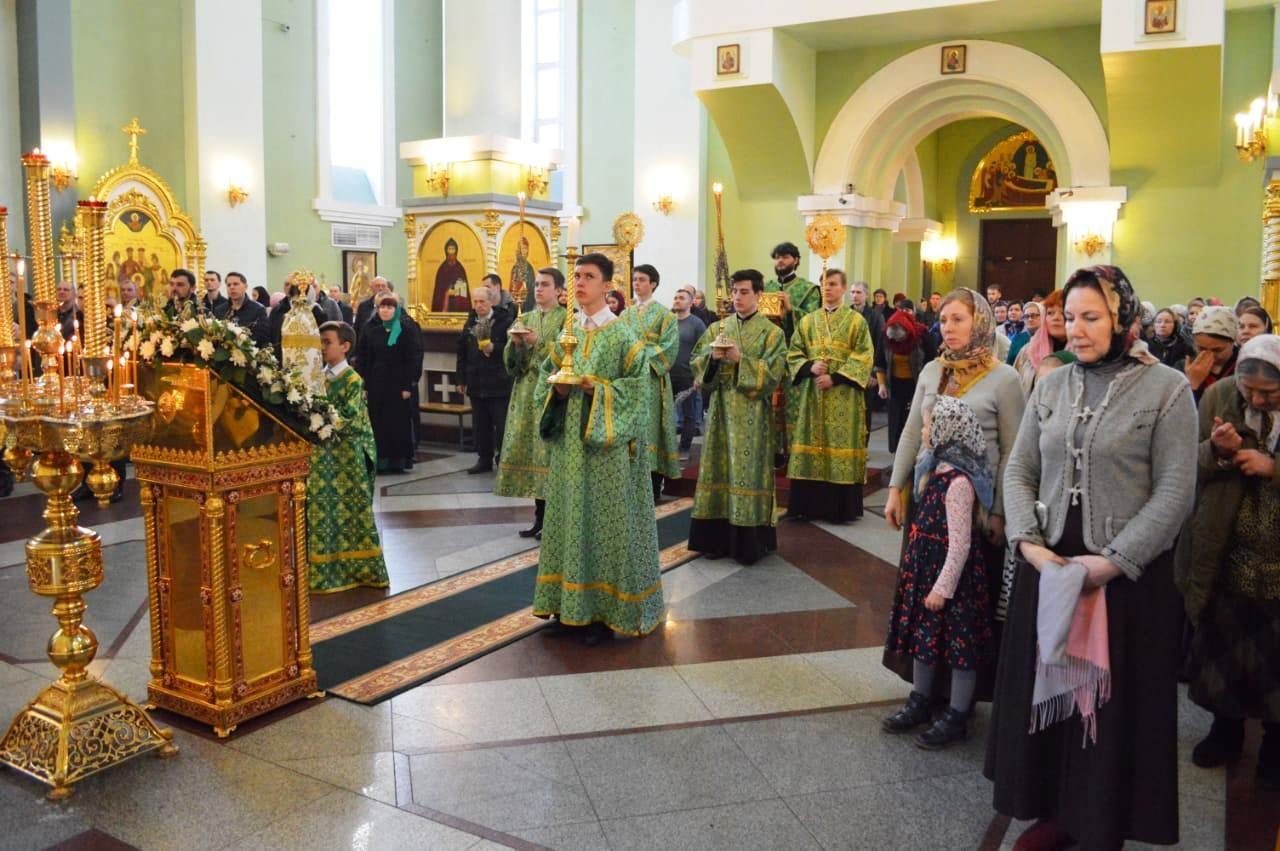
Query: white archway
{"x": 875, "y": 134}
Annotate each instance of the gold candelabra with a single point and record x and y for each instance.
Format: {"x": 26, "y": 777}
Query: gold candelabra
{"x": 77, "y": 726}
{"x": 568, "y": 342}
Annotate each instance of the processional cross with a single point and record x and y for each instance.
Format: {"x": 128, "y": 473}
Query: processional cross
{"x": 133, "y": 130}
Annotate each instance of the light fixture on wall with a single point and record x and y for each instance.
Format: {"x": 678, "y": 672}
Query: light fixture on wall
{"x": 664, "y": 205}
{"x": 537, "y": 180}
{"x": 939, "y": 252}
{"x": 63, "y": 163}
{"x": 1251, "y": 128}
{"x": 1091, "y": 244}
{"x": 237, "y": 195}
{"x": 438, "y": 178}
{"x": 231, "y": 176}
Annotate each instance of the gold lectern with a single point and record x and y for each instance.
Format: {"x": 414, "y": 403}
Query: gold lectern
{"x": 224, "y": 505}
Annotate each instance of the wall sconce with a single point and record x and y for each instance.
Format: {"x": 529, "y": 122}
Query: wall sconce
{"x": 63, "y": 164}
{"x": 232, "y": 176}
{"x": 237, "y": 195}
{"x": 664, "y": 205}
{"x": 537, "y": 180}
{"x": 1251, "y": 129}
{"x": 940, "y": 253}
{"x": 438, "y": 178}
{"x": 1091, "y": 244}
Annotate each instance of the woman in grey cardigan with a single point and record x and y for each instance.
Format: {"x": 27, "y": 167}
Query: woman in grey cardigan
{"x": 1099, "y": 476}
{"x": 967, "y": 367}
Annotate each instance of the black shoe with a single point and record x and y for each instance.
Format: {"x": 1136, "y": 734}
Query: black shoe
{"x": 597, "y": 633}
{"x": 1268, "y": 773}
{"x": 952, "y": 727}
{"x": 538, "y": 536}
{"x": 913, "y": 713}
{"x": 1222, "y": 745}
{"x": 533, "y": 531}
{"x": 480, "y": 467}
{"x": 792, "y": 515}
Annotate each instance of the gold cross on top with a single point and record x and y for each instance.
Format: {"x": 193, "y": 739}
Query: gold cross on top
{"x": 133, "y": 130}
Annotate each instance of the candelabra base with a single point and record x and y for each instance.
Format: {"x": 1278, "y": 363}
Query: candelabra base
{"x": 75, "y": 729}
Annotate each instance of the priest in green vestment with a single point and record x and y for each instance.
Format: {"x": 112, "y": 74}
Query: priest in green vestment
{"x": 733, "y": 504}
{"x": 599, "y": 562}
{"x": 522, "y": 467}
{"x": 800, "y": 297}
{"x": 656, "y": 326}
{"x": 829, "y": 362}
{"x": 342, "y": 539}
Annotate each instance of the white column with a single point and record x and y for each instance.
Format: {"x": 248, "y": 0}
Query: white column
{"x": 669, "y": 142}
{"x": 1088, "y": 217}
{"x": 482, "y": 70}
{"x": 11, "y": 185}
{"x": 225, "y": 136}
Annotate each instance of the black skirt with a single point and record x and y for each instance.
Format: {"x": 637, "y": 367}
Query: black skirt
{"x": 1233, "y": 668}
{"x": 1124, "y": 786}
{"x": 744, "y": 544}
{"x": 834, "y": 503}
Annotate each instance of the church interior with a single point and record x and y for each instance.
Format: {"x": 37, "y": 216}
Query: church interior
{"x": 199, "y": 691}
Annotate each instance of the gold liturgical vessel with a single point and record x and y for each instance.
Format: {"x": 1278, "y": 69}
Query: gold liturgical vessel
{"x": 72, "y": 413}
{"x": 224, "y": 487}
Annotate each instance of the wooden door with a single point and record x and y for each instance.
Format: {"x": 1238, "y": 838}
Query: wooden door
{"x": 1020, "y": 255}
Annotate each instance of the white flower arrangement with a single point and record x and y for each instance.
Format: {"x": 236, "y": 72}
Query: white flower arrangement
{"x": 228, "y": 350}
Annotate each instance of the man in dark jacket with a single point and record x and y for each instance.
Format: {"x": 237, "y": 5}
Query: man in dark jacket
{"x": 348, "y": 315}
{"x": 365, "y": 309}
{"x": 238, "y": 308}
{"x": 214, "y": 301}
{"x": 484, "y": 377}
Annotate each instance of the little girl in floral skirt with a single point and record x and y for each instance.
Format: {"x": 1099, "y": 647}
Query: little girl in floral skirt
{"x": 942, "y": 607}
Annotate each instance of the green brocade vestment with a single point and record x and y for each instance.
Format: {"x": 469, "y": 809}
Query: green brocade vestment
{"x": 806, "y": 297}
{"x": 599, "y": 558}
{"x": 735, "y": 475}
{"x": 522, "y": 468}
{"x": 342, "y": 539}
{"x": 828, "y": 443}
{"x": 656, "y": 326}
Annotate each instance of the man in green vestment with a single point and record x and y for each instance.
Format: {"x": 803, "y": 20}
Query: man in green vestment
{"x": 733, "y": 504}
{"x": 655, "y": 325}
{"x": 599, "y": 561}
{"x": 522, "y": 468}
{"x": 799, "y": 298}
{"x": 829, "y": 362}
{"x": 342, "y": 540}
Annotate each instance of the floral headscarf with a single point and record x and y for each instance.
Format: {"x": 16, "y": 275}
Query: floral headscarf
{"x": 960, "y": 370}
{"x": 956, "y": 438}
{"x": 1121, "y": 301}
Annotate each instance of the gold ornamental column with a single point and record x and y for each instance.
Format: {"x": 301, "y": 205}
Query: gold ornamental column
{"x": 9, "y": 351}
{"x": 47, "y": 338}
{"x": 491, "y": 224}
{"x": 1270, "y": 295}
{"x": 197, "y": 251}
{"x": 411, "y": 267}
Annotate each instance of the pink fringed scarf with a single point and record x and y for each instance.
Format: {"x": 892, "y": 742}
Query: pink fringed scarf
{"x": 1073, "y": 663}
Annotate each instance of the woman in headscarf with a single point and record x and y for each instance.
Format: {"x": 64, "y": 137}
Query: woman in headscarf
{"x": 1253, "y": 320}
{"x": 1217, "y": 334}
{"x": 1052, "y": 337}
{"x": 967, "y": 367}
{"x": 1167, "y": 342}
{"x": 906, "y": 348}
{"x": 1097, "y": 488}
{"x": 1232, "y": 587}
{"x": 387, "y": 364}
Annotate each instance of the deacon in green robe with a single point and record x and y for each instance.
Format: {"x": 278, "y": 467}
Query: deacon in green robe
{"x": 599, "y": 561}
{"x": 733, "y": 504}
{"x": 800, "y": 298}
{"x": 342, "y": 539}
{"x": 522, "y": 467}
{"x": 829, "y": 362}
{"x": 655, "y": 325}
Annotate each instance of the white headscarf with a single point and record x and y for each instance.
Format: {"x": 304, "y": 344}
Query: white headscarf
{"x": 1266, "y": 348}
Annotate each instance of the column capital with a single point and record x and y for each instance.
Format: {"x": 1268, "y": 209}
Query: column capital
{"x": 854, "y": 210}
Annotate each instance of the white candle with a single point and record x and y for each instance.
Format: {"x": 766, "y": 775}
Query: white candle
{"x": 574, "y": 224}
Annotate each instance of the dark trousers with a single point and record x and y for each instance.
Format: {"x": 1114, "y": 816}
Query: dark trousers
{"x": 900, "y": 392}
{"x": 689, "y": 413}
{"x": 489, "y": 416}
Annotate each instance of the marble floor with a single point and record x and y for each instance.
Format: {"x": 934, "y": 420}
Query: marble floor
{"x": 749, "y": 720}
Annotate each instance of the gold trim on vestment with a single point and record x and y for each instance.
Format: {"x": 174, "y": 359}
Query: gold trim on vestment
{"x": 805, "y": 449}
{"x": 736, "y": 491}
{"x": 604, "y": 587}
{"x": 299, "y": 341}
{"x": 328, "y": 557}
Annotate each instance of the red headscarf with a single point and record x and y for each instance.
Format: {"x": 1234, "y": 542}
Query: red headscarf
{"x": 905, "y": 320}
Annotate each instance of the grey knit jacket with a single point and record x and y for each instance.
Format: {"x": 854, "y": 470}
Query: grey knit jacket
{"x": 1137, "y": 476}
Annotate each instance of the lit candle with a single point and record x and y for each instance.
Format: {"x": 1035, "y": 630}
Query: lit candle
{"x": 574, "y": 224}
{"x": 134, "y": 350}
{"x": 119, "y": 327}
{"x": 115, "y": 390}
{"x": 62, "y": 382}
{"x": 26, "y": 358}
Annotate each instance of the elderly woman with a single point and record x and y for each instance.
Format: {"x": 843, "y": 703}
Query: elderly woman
{"x": 967, "y": 367}
{"x": 1232, "y": 591}
{"x": 1051, "y": 337}
{"x": 1168, "y": 343}
{"x": 1217, "y": 334}
{"x": 1096, "y": 489}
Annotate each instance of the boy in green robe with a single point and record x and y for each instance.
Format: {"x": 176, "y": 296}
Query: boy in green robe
{"x": 654, "y": 324}
{"x": 733, "y": 504}
{"x": 599, "y": 561}
{"x": 829, "y": 362}
{"x": 342, "y": 539}
{"x": 522, "y": 468}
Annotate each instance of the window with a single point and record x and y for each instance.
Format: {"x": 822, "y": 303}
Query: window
{"x": 544, "y": 88}
{"x": 355, "y": 111}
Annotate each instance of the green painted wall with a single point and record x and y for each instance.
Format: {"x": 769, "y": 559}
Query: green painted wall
{"x": 1178, "y": 235}
{"x": 290, "y": 130}
{"x": 606, "y": 114}
{"x": 109, "y": 91}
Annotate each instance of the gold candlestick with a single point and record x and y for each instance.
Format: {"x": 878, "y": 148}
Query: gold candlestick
{"x": 566, "y": 374}
{"x": 90, "y": 216}
{"x": 40, "y": 225}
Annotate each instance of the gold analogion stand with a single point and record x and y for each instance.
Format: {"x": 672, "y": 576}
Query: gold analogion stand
{"x": 77, "y": 726}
